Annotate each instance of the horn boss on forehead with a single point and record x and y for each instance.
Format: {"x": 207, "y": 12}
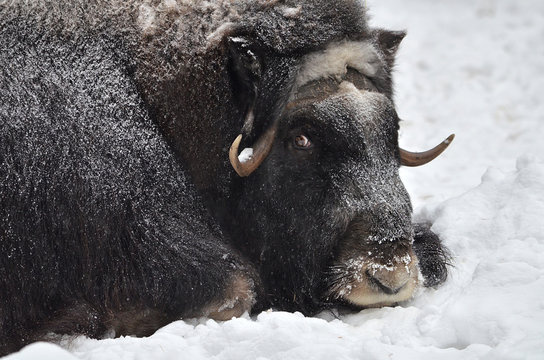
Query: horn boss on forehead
{"x": 334, "y": 61}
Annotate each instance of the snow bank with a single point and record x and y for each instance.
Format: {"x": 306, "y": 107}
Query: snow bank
{"x": 42, "y": 351}
{"x": 491, "y": 307}
{"x": 496, "y": 234}
{"x": 470, "y": 67}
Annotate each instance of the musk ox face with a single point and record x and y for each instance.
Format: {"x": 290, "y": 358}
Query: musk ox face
{"x": 335, "y": 216}
{"x": 356, "y": 159}
{"x": 325, "y": 215}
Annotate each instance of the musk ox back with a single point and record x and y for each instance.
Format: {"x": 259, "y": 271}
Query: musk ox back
{"x": 100, "y": 227}
{"x": 125, "y": 204}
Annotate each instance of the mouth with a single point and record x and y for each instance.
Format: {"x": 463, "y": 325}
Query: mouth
{"x": 366, "y": 282}
{"x": 386, "y": 289}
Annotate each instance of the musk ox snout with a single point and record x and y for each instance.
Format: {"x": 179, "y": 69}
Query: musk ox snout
{"x": 372, "y": 268}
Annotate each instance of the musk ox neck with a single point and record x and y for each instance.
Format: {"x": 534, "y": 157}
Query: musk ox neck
{"x": 181, "y": 72}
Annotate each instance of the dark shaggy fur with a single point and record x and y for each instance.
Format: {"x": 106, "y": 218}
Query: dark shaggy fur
{"x": 97, "y": 217}
{"x": 433, "y": 256}
{"x": 119, "y": 208}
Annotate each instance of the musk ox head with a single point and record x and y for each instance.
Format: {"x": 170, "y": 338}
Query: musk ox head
{"x": 321, "y": 209}
{"x": 318, "y": 207}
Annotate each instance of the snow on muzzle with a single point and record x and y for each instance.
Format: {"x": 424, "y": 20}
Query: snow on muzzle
{"x": 374, "y": 268}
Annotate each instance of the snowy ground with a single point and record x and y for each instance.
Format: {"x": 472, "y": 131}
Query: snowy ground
{"x": 472, "y": 67}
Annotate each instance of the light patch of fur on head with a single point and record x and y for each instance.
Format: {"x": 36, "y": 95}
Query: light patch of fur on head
{"x": 146, "y": 19}
{"x": 291, "y": 12}
{"x": 151, "y": 17}
{"x": 346, "y": 87}
{"x": 335, "y": 60}
{"x": 220, "y": 33}
{"x": 170, "y": 4}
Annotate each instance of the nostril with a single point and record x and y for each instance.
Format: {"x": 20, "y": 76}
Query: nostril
{"x": 383, "y": 284}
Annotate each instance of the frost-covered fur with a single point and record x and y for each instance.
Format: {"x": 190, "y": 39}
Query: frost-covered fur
{"x": 120, "y": 210}
{"x": 98, "y": 220}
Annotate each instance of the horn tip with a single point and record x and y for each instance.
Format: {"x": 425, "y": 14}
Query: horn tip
{"x": 233, "y": 151}
{"x": 233, "y": 155}
{"x": 449, "y": 139}
{"x": 237, "y": 141}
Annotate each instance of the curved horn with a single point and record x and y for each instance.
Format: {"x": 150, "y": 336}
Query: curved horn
{"x": 408, "y": 158}
{"x": 260, "y": 151}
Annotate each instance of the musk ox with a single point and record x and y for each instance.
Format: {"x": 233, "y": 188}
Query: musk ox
{"x": 124, "y": 201}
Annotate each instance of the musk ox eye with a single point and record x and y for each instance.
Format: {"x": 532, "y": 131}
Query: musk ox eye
{"x": 302, "y": 142}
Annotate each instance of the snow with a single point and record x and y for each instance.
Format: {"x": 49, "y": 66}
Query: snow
{"x": 471, "y": 67}
{"x": 245, "y": 155}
